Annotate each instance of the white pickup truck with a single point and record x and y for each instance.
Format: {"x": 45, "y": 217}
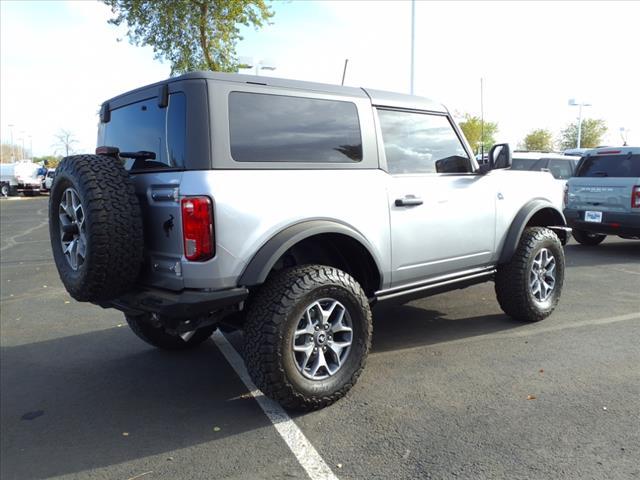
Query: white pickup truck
{"x": 20, "y": 177}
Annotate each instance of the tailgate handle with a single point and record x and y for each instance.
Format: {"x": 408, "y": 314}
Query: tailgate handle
{"x": 165, "y": 195}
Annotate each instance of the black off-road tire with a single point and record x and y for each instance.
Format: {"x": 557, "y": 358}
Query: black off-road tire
{"x": 272, "y": 317}
{"x": 587, "y": 238}
{"x": 113, "y": 227}
{"x": 160, "y": 338}
{"x": 512, "y": 279}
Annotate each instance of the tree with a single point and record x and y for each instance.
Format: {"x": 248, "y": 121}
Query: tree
{"x": 64, "y": 141}
{"x": 472, "y": 129}
{"x": 190, "y": 34}
{"x": 540, "y": 140}
{"x": 50, "y": 161}
{"x": 590, "y": 137}
{"x": 11, "y": 152}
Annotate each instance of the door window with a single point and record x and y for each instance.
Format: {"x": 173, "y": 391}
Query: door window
{"x": 421, "y": 143}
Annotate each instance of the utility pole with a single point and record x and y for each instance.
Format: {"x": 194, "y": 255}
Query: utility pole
{"x": 413, "y": 44}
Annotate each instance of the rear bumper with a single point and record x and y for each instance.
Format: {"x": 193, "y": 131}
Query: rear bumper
{"x": 188, "y": 304}
{"x": 612, "y": 223}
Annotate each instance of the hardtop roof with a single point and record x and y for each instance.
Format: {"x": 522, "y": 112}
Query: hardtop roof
{"x": 378, "y": 97}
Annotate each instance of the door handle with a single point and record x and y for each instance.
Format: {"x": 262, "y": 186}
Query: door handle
{"x": 408, "y": 201}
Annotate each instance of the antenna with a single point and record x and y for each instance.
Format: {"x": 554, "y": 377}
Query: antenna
{"x": 481, "y": 119}
{"x": 344, "y": 71}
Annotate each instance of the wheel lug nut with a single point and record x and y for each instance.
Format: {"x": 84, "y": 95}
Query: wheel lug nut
{"x": 326, "y": 326}
{"x": 317, "y": 327}
{"x": 324, "y": 349}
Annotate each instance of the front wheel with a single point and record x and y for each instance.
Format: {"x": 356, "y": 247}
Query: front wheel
{"x": 307, "y": 336}
{"x": 587, "y": 238}
{"x": 529, "y": 286}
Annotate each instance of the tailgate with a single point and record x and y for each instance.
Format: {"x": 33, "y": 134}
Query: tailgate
{"x": 603, "y": 194}
{"x": 158, "y": 194}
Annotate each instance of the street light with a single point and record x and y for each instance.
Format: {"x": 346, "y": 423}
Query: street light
{"x": 573, "y": 103}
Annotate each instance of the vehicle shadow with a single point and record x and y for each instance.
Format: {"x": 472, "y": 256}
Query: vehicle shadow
{"x": 86, "y": 391}
{"x": 406, "y": 326}
{"x": 617, "y": 251}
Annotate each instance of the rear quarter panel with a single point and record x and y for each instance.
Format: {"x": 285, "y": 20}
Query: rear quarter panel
{"x": 250, "y": 206}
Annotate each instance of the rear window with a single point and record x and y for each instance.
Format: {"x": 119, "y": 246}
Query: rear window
{"x": 277, "y": 128}
{"x": 144, "y": 126}
{"x": 609, "y": 166}
{"x": 529, "y": 164}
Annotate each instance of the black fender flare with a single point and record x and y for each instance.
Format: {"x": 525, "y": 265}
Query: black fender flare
{"x": 520, "y": 222}
{"x": 258, "y": 268}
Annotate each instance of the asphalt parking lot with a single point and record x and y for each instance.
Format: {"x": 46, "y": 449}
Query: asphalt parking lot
{"x": 452, "y": 389}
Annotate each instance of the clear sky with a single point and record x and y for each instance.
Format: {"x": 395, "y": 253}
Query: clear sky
{"x": 60, "y": 60}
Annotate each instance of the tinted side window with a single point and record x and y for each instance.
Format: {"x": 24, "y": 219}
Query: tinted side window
{"x": 561, "y": 169}
{"x": 530, "y": 164}
{"x": 421, "y": 143}
{"x": 276, "y": 128}
{"x": 609, "y": 166}
{"x": 143, "y": 126}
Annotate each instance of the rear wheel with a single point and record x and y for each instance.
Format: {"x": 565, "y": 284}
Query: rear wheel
{"x": 307, "y": 336}
{"x": 160, "y": 337}
{"x": 5, "y": 189}
{"x": 588, "y": 238}
{"x": 528, "y": 287}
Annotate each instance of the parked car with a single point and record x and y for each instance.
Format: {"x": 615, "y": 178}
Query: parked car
{"x": 288, "y": 209}
{"x": 560, "y": 166}
{"x": 20, "y": 177}
{"x": 603, "y": 198}
{"x": 48, "y": 179}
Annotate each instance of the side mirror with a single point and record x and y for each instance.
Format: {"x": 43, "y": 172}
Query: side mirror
{"x": 500, "y": 156}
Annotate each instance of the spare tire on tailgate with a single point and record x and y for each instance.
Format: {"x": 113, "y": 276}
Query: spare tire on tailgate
{"x": 95, "y": 227}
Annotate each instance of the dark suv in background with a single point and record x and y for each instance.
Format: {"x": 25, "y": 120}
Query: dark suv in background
{"x": 603, "y": 198}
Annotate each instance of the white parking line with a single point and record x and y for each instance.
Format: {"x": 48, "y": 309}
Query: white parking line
{"x": 305, "y": 453}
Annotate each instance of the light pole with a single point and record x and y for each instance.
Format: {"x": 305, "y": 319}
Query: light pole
{"x": 31, "y": 147}
{"x": 13, "y": 157}
{"x": 573, "y": 103}
{"x": 413, "y": 45}
{"x": 22, "y": 152}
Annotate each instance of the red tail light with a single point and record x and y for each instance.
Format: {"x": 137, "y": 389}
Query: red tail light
{"x": 635, "y": 197}
{"x": 197, "y": 228}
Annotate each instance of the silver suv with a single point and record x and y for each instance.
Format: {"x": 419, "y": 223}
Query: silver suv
{"x": 604, "y": 196}
{"x": 288, "y": 209}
